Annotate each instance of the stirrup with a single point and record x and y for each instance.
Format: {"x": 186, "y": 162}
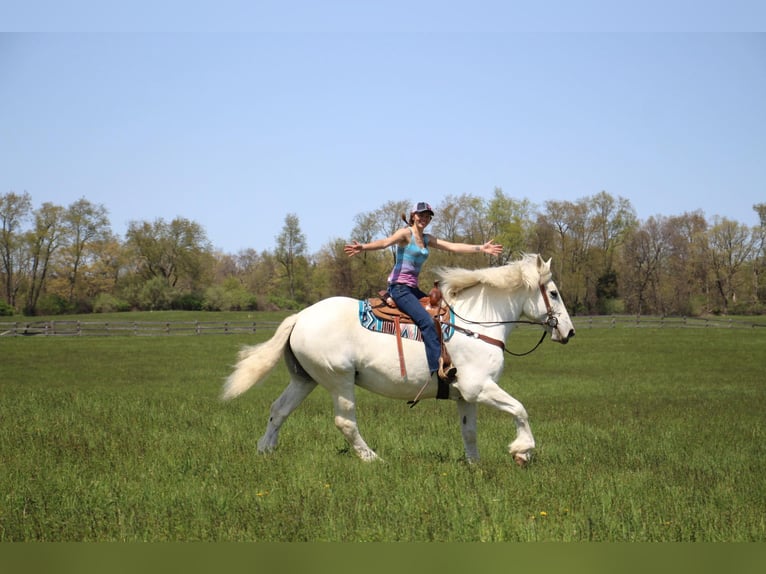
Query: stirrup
{"x": 447, "y": 376}
{"x": 446, "y": 372}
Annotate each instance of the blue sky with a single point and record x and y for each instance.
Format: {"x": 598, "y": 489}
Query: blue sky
{"x": 327, "y": 113}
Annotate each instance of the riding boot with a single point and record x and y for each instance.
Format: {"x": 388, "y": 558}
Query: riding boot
{"x": 443, "y": 383}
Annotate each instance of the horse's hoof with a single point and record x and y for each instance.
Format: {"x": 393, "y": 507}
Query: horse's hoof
{"x": 521, "y": 459}
{"x": 368, "y": 456}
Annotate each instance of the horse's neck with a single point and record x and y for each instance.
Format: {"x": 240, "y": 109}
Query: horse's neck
{"x": 482, "y": 305}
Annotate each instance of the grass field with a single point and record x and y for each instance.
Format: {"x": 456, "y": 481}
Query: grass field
{"x": 643, "y": 435}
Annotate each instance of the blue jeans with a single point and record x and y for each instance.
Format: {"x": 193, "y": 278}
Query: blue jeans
{"x": 408, "y": 300}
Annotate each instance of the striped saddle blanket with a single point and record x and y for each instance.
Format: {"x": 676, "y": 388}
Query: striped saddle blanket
{"x": 374, "y": 323}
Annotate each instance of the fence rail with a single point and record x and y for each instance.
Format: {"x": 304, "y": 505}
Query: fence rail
{"x": 133, "y": 328}
{"x": 656, "y": 322}
{"x": 165, "y": 328}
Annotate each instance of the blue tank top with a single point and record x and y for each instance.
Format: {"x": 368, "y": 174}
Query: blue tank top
{"x": 409, "y": 260}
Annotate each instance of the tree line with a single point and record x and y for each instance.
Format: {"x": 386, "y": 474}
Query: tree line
{"x": 63, "y": 259}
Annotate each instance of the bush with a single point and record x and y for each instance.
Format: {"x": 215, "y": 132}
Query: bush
{"x": 284, "y": 303}
{"x": 155, "y": 295}
{"x": 106, "y": 303}
{"x": 5, "y": 309}
{"x": 188, "y": 302}
{"x": 228, "y": 298}
{"x": 52, "y": 304}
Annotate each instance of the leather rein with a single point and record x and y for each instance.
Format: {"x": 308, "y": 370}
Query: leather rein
{"x": 551, "y": 321}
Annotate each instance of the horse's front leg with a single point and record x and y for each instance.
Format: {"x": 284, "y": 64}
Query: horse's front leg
{"x": 493, "y": 396}
{"x": 467, "y": 413}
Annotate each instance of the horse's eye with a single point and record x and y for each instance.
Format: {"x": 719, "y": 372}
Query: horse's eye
{"x": 554, "y": 294}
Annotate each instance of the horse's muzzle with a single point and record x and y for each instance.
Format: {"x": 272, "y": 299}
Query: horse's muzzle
{"x": 563, "y": 340}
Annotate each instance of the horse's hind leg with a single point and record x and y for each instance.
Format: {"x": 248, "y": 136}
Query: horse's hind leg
{"x": 345, "y": 420}
{"x": 298, "y": 389}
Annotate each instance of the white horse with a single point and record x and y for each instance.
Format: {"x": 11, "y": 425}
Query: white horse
{"x": 326, "y": 344}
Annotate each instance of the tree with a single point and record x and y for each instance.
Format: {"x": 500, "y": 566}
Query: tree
{"x": 334, "y": 273}
{"x": 257, "y": 271}
{"x": 291, "y": 252}
{"x": 686, "y": 267}
{"x": 366, "y": 274}
{"x": 644, "y": 253}
{"x": 462, "y": 219}
{"x": 178, "y": 253}
{"x": 14, "y": 210}
{"x": 730, "y": 247}
{"x": 43, "y": 241}
{"x": 86, "y": 223}
{"x": 510, "y": 223}
{"x": 561, "y": 223}
{"x": 759, "y": 265}
{"x": 610, "y": 220}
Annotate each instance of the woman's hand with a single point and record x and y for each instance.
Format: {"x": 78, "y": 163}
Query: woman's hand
{"x": 491, "y": 248}
{"x": 353, "y": 248}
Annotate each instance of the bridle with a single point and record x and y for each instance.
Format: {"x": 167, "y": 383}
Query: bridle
{"x": 551, "y": 321}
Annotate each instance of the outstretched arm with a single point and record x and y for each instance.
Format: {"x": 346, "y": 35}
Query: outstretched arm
{"x": 354, "y": 248}
{"x": 489, "y": 248}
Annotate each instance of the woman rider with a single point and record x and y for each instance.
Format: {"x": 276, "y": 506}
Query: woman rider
{"x": 412, "y": 249}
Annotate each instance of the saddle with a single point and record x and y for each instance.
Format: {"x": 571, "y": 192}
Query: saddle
{"x": 384, "y": 308}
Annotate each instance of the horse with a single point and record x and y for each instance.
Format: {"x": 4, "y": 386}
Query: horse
{"x": 325, "y": 344}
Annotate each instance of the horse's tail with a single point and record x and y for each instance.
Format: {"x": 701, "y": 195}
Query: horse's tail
{"x": 257, "y": 361}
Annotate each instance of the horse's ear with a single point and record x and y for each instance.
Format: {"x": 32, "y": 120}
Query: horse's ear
{"x": 543, "y": 267}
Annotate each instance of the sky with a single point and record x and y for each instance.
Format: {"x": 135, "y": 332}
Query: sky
{"x": 238, "y": 116}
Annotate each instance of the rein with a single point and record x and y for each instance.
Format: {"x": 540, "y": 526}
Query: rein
{"x": 551, "y": 321}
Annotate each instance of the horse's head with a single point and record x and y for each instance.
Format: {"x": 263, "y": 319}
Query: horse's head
{"x": 523, "y": 287}
{"x": 546, "y": 305}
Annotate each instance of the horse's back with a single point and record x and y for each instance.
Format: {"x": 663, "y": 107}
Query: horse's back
{"x": 329, "y": 312}
{"x": 326, "y": 330}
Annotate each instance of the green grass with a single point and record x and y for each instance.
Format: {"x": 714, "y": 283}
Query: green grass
{"x": 643, "y": 435}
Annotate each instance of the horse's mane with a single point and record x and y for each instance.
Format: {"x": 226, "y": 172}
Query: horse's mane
{"x": 525, "y": 273}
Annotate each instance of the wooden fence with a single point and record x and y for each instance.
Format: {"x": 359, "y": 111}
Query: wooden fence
{"x": 612, "y": 321}
{"x": 165, "y": 328}
{"x": 133, "y": 328}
